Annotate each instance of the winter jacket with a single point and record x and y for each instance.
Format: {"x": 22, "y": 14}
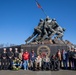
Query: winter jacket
{"x": 25, "y": 56}
{"x": 32, "y": 56}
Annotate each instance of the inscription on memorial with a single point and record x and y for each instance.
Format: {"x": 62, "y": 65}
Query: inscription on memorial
{"x": 43, "y": 50}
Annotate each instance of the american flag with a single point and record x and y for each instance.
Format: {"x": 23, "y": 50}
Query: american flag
{"x": 38, "y": 5}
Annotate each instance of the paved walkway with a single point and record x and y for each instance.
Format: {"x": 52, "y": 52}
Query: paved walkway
{"x": 22, "y": 72}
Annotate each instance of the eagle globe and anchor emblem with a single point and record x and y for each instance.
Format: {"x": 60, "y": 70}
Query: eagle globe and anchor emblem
{"x": 43, "y": 50}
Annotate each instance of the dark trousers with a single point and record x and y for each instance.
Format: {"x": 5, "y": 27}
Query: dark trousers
{"x": 0, "y": 65}
{"x": 65, "y": 64}
{"x": 5, "y": 64}
{"x": 10, "y": 63}
{"x": 71, "y": 63}
{"x": 75, "y": 64}
{"x": 57, "y": 65}
{"x": 46, "y": 65}
{"x": 60, "y": 64}
{"x": 53, "y": 65}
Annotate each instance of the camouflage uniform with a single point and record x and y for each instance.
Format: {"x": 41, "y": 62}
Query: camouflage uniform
{"x": 17, "y": 64}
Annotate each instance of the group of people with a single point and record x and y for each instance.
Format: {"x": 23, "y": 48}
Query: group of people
{"x": 15, "y": 60}
{"x": 9, "y": 59}
{"x": 46, "y": 28}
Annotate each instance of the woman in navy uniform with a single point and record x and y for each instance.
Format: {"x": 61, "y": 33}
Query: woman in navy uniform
{"x": 10, "y": 55}
{"x": 4, "y": 60}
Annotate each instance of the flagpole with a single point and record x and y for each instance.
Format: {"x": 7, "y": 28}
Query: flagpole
{"x": 44, "y": 12}
{"x": 41, "y": 8}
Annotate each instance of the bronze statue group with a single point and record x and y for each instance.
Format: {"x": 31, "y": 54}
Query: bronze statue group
{"x": 46, "y": 29}
{"x": 15, "y": 60}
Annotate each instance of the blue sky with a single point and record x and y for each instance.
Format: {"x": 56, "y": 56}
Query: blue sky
{"x": 19, "y": 17}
